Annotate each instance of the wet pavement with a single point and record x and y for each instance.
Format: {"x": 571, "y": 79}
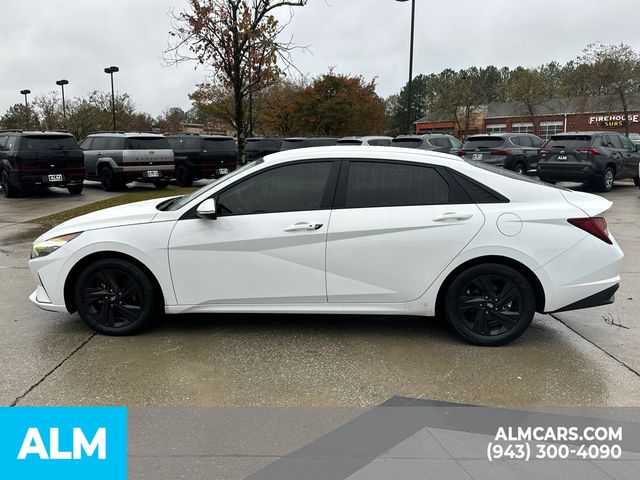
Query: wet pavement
{"x": 576, "y": 359}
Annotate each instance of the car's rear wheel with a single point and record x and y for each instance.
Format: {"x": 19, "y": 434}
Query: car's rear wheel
{"x": 183, "y": 176}
{"x": 75, "y": 189}
{"x": 107, "y": 179}
{"x": 490, "y": 304}
{"x": 115, "y": 297}
{"x": 8, "y": 189}
{"x": 605, "y": 183}
{"x": 160, "y": 184}
{"x": 520, "y": 168}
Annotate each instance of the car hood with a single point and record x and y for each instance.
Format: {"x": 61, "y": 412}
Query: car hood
{"x": 129, "y": 214}
{"x": 592, "y": 205}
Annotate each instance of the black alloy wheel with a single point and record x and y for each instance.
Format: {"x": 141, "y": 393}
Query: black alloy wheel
{"x": 520, "y": 168}
{"x": 607, "y": 179}
{"x": 490, "y": 304}
{"x": 114, "y": 297}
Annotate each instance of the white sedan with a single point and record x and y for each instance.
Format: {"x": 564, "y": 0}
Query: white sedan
{"x": 339, "y": 230}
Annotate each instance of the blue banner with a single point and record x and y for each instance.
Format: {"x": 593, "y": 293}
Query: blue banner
{"x": 63, "y": 442}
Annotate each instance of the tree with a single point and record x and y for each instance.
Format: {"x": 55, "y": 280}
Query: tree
{"x": 612, "y": 70}
{"x": 278, "y": 111}
{"x": 50, "y": 111}
{"x": 171, "y": 120}
{"x": 530, "y": 87}
{"x": 338, "y": 105}
{"x": 16, "y": 117}
{"x": 396, "y": 108}
{"x": 238, "y": 40}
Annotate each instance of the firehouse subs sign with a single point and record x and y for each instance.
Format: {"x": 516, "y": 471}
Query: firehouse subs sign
{"x": 614, "y": 121}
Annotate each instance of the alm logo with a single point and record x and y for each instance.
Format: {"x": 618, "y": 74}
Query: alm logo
{"x": 34, "y": 445}
{"x": 63, "y": 442}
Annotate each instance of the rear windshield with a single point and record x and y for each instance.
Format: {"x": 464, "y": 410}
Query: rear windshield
{"x": 569, "y": 142}
{"x": 406, "y": 142}
{"x": 351, "y": 141}
{"x": 289, "y": 144}
{"x": 48, "y": 142}
{"x": 483, "y": 142}
{"x": 180, "y": 143}
{"x": 148, "y": 143}
{"x": 321, "y": 142}
{"x": 219, "y": 144}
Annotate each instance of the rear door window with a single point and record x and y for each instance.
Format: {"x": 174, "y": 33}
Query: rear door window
{"x": 381, "y": 184}
{"x": 86, "y": 144}
{"x": 441, "y": 142}
{"x": 99, "y": 143}
{"x": 483, "y": 143}
{"x": 523, "y": 141}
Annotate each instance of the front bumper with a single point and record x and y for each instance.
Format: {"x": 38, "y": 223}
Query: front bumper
{"x": 38, "y": 301}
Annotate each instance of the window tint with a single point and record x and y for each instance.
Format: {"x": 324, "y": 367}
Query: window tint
{"x": 182, "y": 143}
{"x": 219, "y": 144}
{"x": 614, "y": 141}
{"x": 100, "y": 143}
{"x": 569, "y": 142}
{"x": 48, "y": 142}
{"x": 440, "y": 142}
{"x": 86, "y": 143}
{"x": 455, "y": 142}
{"x": 378, "y": 184}
{"x": 483, "y": 143}
{"x": 3, "y": 142}
{"x": 381, "y": 142}
{"x": 477, "y": 193}
{"x": 537, "y": 142}
{"x": 288, "y": 188}
{"x": 114, "y": 143}
{"x": 522, "y": 141}
{"x": 626, "y": 143}
{"x": 407, "y": 142}
{"x": 147, "y": 143}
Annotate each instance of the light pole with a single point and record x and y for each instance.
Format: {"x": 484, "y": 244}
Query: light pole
{"x": 26, "y": 103}
{"x": 62, "y": 83}
{"x": 111, "y": 70}
{"x": 409, "y": 101}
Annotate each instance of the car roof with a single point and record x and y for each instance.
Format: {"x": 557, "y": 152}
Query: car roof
{"x": 32, "y": 133}
{"x": 374, "y": 152}
{"x": 367, "y": 137}
{"x": 126, "y": 134}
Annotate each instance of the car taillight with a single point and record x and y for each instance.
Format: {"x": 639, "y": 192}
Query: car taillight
{"x": 592, "y": 151}
{"x": 499, "y": 152}
{"x": 544, "y": 150}
{"x": 596, "y": 226}
{"x": 461, "y": 153}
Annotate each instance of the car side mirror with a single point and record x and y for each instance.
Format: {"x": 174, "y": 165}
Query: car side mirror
{"x": 207, "y": 209}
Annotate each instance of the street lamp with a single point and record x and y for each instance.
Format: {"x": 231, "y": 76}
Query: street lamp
{"x": 111, "y": 70}
{"x": 409, "y": 101}
{"x": 62, "y": 83}
{"x": 26, "y": 103}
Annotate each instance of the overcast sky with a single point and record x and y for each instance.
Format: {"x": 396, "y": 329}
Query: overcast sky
{"x": 45, "y": 40}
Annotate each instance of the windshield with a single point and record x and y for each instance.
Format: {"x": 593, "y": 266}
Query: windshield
{"x": 178, "y": 202}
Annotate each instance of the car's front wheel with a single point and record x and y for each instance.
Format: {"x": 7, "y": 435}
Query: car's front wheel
{"x": 490, "y": 304}
{"x": 183, "y": 176}
{"x": 605, "y": 184}
{"x": 115, "y": 297}
{"x": 8, "y": 190}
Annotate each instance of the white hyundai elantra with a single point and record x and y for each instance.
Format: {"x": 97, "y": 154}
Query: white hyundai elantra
{"x": 339, "y": 230}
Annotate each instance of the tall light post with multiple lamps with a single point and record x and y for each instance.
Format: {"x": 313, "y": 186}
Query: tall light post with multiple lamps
{"x": 26, "y": 103}
{"x": 409, "y": 92}
{"x": 110, "y": 71}
{"x": 62, "y": 83}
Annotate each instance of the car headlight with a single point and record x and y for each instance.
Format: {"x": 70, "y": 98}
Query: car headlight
{"x": 42, "y": 249}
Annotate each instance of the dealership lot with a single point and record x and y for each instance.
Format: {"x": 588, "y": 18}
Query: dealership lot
{"x": 574, "y": 358}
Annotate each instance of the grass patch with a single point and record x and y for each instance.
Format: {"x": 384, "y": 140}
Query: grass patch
{"x": 57, "y": 218}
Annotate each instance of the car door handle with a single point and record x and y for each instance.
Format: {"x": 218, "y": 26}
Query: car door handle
{"x": 453, "y": 216}
{"x": 303, "y": 226}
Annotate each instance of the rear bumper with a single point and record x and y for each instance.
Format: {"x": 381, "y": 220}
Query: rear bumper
{"x": 605, "y": 297}
{"x": 569, "y": 171}
{"x": 30, "y": 178}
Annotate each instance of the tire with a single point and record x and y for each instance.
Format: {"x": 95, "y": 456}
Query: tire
{"x": 8, "y": 190}
{"x": 520, "y": 168}
{"x": 490, "y": 304}
{"x": 636, "y": 181}
{"x": 75, "y": 189}
{"x": 605, "y": 183}
{"x": 160, "y": 184}
{"x": 107, "y": 179}
{"x": 183, "y": 176}
{"x": 115, "y": 297}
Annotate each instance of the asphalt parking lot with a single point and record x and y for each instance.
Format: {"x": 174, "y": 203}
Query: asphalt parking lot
{"x": 584, "y": 358}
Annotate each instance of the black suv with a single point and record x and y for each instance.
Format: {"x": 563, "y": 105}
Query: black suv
{"x": 514, "y": 151}
{"x": 258, "y": 147}
{"x": 598, "y": 158}
{"x": 202, "y": 156}
{"x": 436, "y": 142}
{"x": 29, "y": 160}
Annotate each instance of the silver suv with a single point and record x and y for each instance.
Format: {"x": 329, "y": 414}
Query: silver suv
{"x": 117, "y": 158}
